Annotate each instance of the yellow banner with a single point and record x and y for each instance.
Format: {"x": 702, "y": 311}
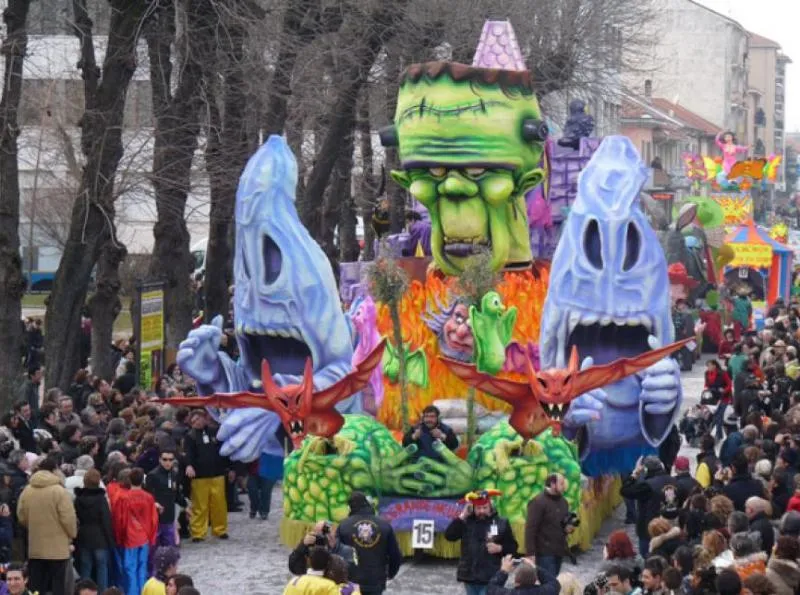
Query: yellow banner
{"x": 736, "y": 207}
{"x": 152, "y": 323}
{"x": 751, "y": 255}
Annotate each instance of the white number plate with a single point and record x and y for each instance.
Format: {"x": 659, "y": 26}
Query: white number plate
{"x": 422, "y": 533}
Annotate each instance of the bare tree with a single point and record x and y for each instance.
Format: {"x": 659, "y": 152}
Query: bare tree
{"x": 92, "y": 228}
{"x": 12, "y": 284}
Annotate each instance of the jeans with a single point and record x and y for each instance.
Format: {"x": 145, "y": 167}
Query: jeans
{"x": 644, "y": 546}
{"x": 551, "y": 564}
{"x": 719, "y": 419}
{"x": 475, "y": 589}
{"x": 259, "y": 489}
{"x": 93, "y": 564}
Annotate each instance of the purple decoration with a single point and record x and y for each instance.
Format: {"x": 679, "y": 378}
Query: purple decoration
{"x": 518, "y": 355}
{"x": 365, "y": 322}
{"x": 498, "y": 48}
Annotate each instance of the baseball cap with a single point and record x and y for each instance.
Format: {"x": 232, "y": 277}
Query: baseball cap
{"x": 681, "y": 464}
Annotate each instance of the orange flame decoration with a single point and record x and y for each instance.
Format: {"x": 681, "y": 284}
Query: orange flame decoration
{"x": 521, "y": 289}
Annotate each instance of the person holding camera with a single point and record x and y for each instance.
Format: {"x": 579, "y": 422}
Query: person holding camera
{"x": 528, "y": 579}
{"x": 485, "y": 538}
{"x": 424, "y": 434}
{"x": 548, "y": 523}
{"x": 323, "y": 535}
{"x": 654, "y": 490}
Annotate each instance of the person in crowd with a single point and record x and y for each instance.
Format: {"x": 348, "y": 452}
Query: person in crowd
{"x": 718, "y": 384}
{"x": 428, "y": 432}
{"x": 747, "y": 558}
{"x": 548, "y": 523}
{"x": 783, "y": 570}
{"x": 619, "y": 581}
{"x": 757, "y": 510}
{"x": 178, "y": 581}
{"x": 165, "y": 486}
{"x": 707, "y": 462}
{"x": 652, "y": 575}
{"x": 654, "y": 490}
{"x": 262, "y": 476}
{"x": 728, "y": 583}
{"x": 70, "y": 441}
{"x": 83, "y": 464}
{"x": 528, "y": 579}
{"x": 127, "y": 381}
{"x": 24, "y": 430}
{"x": 207, "y": 469}
{"x": 95, "y": 540}
{"x": 45, "y": 509}
{"x": 48, "y": 419}
{"x": 664, "y": 538}
{"x": 80, "y": 389}
{"x": 742, "y": 485}
{"x": 135, "y": 520}
{"x": 485, "y": 538}
{"x": 338, "y": 572}
{"x": 314, "y": 581}
{"x": 66, "y": 413}
{"x": 619, "y": 552}
{"x": 684, "y": 482}
{"x": 374, "y": 542}
{"x": 323, "y": 535}
{"x": 17, "y": 579}
{"x": 165, "y": 562}
{"x": 86, "y": 586}
{"x": 31, "y": 388}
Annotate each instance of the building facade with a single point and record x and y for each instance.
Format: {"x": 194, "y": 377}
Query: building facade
{"x": 767, "y": 80}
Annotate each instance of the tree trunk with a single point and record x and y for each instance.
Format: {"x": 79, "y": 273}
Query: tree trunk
{"x": 92, "y": 219}
{"x": 229, "y": 147}
{"x": 12, "y": 283}
{"x": 176, "y": 129}
{"x": 368, "y": 189}
{"x": 348, "y": 242}
{"x": 104, "y": 307}
{"x": 396, "y": 194}
{"x": 373, "y": 30}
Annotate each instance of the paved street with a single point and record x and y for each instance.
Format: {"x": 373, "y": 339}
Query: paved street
{"x": 253, "y": 562}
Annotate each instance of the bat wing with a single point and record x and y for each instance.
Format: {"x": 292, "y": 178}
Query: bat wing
{"x": 599, "y": 376}
{"x": 510, "y": 391}
{"x": 355, "y": 381}
{"x": 223, "y": 401}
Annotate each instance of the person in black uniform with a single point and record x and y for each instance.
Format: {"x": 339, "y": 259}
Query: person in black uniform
{"x": 165, "y": 486}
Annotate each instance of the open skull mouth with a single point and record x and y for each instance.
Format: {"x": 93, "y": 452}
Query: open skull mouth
{"x": 465, "y": 246}
{"x": 296, "y": 428}
{"x": 607, "y": 338}
{"x": 284, "y": 349}
{"x": 555, "y": 411}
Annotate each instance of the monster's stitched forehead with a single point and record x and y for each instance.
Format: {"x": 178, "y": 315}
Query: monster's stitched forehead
{"x": 453, "y": 114}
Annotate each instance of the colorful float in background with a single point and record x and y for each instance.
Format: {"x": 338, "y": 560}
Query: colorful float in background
{"x": 572, "y": 352}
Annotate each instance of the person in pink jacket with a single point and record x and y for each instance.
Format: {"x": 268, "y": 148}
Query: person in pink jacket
{"x": 730, "y": 150}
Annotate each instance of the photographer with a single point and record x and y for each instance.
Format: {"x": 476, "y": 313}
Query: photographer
{"x": 485, "y": 538}
{"x": 323, "y": 535}
{"x": 427, "y": 432}
{"x": 548, "y": 523}
{"x": 528, "y": 580}
{"x": 653, "y": 488}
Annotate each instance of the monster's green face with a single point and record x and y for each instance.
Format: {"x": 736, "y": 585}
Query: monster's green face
{"x": 470, "y": 141}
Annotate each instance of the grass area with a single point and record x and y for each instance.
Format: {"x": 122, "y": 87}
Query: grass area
{"x": 122, "y": 326}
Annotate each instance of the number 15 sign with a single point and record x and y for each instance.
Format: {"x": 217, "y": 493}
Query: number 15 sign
{"x": 422, "y": 534}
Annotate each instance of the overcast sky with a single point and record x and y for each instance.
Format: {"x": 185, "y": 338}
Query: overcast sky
{"x": 778, "y": 20}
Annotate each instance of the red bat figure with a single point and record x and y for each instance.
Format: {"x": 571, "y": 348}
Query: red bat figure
{"x": 302, "y": 411}
{"x": 543, "y": 400}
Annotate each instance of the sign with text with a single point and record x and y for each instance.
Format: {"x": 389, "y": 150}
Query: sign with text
{"x": 757, "y": 256}
{"x": 402, "y": 513}
{"x": 422, "y": 533}
{"x": 151, "y": 333}
{"x": 736, "y": 206}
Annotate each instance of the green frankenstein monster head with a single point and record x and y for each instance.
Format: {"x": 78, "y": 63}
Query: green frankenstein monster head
{"x": 470, "y": 140}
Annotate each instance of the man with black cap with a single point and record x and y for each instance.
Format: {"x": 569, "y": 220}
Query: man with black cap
{"x": 376, "y": 547}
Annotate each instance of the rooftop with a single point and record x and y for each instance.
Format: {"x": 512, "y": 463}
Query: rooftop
{"x": 759, "y": 41}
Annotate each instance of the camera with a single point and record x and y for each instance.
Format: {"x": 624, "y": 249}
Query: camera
{"x": 322, "y": 538}
{"x": 571, "y": 520}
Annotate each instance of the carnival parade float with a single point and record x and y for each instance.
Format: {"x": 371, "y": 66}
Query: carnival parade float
{"x": 560, "y": 367}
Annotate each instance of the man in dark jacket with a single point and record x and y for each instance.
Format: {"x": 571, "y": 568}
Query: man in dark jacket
{"x": 30, "y": 389}
{"x": 24, "y": 430}
{"x": 323, "y": 535}
{"x": 756, "y": 510}
{"x": 207, "y": 469}
{"x": 127, "y": 381}
{"x": 736, "y": 441}
{"x": 165, "y": 486}
{"x": 742, "y": 485}
{"x": 654, "y": 490}
{"x": 429, "y": 431}
{"x": 95, "y": 533}
{"x": 376, "y": 547}
{"x": 528, "y": 580}
{"x": 686, "y": 484}
{"x": 485, "y": 538}
{"x": 547, "y": 525}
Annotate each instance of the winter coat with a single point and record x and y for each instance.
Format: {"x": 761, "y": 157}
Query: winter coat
{"x": 426, "y": 440}
{"x": 666, "y": 544}
{"x": 165, "y": 486}
{"x": 135, "y": 519}
{"x": 76, "y": 481}
{"x": 298, "y": 559}
{"x": 476, "y": 565}
{"x": 784, "y": 576}
{"x": 742, "y": 487}
{"x": 24, "y": 434}
{"x": 202, "y": 453}
{"x": 544, "y": 527}
{"x": 46, "y": 509}
{"x": 310, "y": 584}
{"x": 376, "y": 547}
{"x": 548, "y": 585}
{"x": 750, "y": 565}
{"x": 650, "y": 496}
{"x": 94, "y": 519}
